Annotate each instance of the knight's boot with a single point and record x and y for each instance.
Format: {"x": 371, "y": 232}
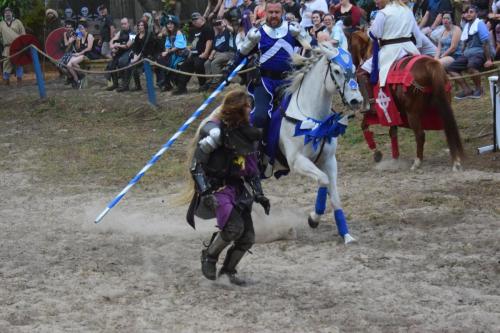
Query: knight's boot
{"x": 233, "y": 257}
{"x": 366, "y": 90}
{"x": 210, "y": 255}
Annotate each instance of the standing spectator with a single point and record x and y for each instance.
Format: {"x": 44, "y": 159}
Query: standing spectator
{"x": 476, "y": 53}
{"x": 107, "y": 30}
{"x": 366, "y": 7}
{"x": 120, "y": 51}
{"x": 223, "y": 51}
{"x": 260, "y": 13}
{"x": 10, "y": 29}
{"x": 227, "y": 5}
{"x": 247, "y": 5}
{"x": 346, "y": 8}
{"x": 317, "y": 24}
{"x": 449, "y": 46}
{"x": 434, "y": 14}
{"x": 175, "y": 52}
{"x": 335, "y": 31}
{"x": 212, "y": 9}
{"x": 290, "y": 6}
{"x": 201, "y": 46}
{"x": 307, "y": 9}
{"x": 84, "y": 49}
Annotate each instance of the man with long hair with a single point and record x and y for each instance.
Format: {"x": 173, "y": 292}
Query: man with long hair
{"x": 226, "y": 176}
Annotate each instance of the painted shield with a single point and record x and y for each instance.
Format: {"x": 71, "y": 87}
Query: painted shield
{"x": 54, "y": 45}
{"x": 20, "y": 43}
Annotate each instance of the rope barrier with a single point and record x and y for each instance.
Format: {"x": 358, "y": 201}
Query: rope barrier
{"x": 57, "y": 62}
{"x": 15, "y": 54}
{"x": 156, "y": 64}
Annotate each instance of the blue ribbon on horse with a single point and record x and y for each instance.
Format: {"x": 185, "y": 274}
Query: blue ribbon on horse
{"x": 322, "y": 130}
{"x": 376, "y": 49}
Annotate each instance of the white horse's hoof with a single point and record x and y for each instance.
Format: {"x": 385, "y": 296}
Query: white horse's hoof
{"x": 348, "y": 239}
{"x": 416, "y": 164}
{"x": 457, "y": 167}
{"x": 312, "y": 223}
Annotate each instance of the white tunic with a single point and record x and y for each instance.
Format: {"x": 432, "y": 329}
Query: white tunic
{"x": 394, "y": 21}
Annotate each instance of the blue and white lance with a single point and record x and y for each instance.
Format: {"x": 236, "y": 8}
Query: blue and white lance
{"x": 171, "y": 141}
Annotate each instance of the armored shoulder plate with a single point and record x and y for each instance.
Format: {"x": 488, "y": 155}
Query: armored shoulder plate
{"x": 210, "y": 136}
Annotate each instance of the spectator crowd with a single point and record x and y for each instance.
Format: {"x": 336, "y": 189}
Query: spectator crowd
{"x": 463, "y": 35}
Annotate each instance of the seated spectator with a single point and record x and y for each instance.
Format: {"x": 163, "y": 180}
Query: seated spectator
{"x": 366, "y": 7}
{"x": 223, "y": 51}
{"x": 335, "y": 32}
{"x": 483, "y": 7}
{"x": 69, "y": 46}
{"x": 202, "y": 36}
{"x": 346, "y": 8}
{"x": 449, "y": 47}
{"x": 84, "y": 49}
{"x": 317, "y": 24}
{"x": 175, "y": 52}
{"x": 142, "y": 47}
{"x": 120, "y": 46}
{"x": 476, "y": 53}
{"x": 307, "y": 9}
{"x": 290, "y": 6}
{"x": 434, "y": 14}
{"x": 495, "y": 16}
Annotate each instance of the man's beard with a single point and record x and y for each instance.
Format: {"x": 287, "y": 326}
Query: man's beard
{"x": 273, "y": 22}
{"x": 8, "y": 18}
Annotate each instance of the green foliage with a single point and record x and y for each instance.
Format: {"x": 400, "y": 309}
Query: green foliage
{"x": 19, "y": 7}
{"x": 34, "y": 20}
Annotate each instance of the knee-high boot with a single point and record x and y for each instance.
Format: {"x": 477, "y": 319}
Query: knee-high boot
{"x": 210, "y": 255}
{"x": 233, "y": 257}
{"x": 125, "y": 81}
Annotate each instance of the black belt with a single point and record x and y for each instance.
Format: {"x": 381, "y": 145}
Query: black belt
{"x": 385, "y": 42}
{"x": 273, "y": 74}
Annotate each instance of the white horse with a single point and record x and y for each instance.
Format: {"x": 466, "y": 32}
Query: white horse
{"x": 312, "y": 89}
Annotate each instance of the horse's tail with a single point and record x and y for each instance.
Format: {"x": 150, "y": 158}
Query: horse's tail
{"x": 440, "y": 100}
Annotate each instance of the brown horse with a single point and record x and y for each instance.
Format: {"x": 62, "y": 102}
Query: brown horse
{"x": 427, "y": 91}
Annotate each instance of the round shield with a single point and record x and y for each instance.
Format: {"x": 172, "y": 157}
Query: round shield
{"x": 18, "y": 45}
{"x": 54, "y": 45}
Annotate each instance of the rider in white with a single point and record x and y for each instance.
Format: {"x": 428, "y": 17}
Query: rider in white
{"x": 398, "y": 34}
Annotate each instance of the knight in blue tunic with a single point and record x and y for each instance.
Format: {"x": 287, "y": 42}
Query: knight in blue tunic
{"x": 275, "y": 41}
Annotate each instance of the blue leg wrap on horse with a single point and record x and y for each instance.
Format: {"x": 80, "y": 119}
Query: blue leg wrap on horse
{"x": 321, "y": 200}
{"x": 341, "y": 222}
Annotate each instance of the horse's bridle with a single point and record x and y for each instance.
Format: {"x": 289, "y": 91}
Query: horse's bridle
{"x": 348, "y": 75}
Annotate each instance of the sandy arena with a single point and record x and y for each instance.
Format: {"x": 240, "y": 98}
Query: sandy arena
{"x": 427, "y": 256}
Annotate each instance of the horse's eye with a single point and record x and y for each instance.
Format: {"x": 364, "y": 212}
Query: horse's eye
{"x": 336, "y": 71}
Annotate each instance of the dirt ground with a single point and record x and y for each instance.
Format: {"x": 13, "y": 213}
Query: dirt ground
{"x": 427, "y": 256}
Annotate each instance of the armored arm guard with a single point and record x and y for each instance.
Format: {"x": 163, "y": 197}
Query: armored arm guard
{"x": 250, "y": 42}
{"x": 300, "y": 34}
{"x": 210, "y": 140}
{"x": 258, "y": 193}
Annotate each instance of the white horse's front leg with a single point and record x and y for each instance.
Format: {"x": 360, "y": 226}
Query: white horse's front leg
{"x": 306, "y": 167}
{"x": 330, "y": 167}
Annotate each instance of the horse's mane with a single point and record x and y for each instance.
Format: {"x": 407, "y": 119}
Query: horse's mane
{"x": 304, "y": 66}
